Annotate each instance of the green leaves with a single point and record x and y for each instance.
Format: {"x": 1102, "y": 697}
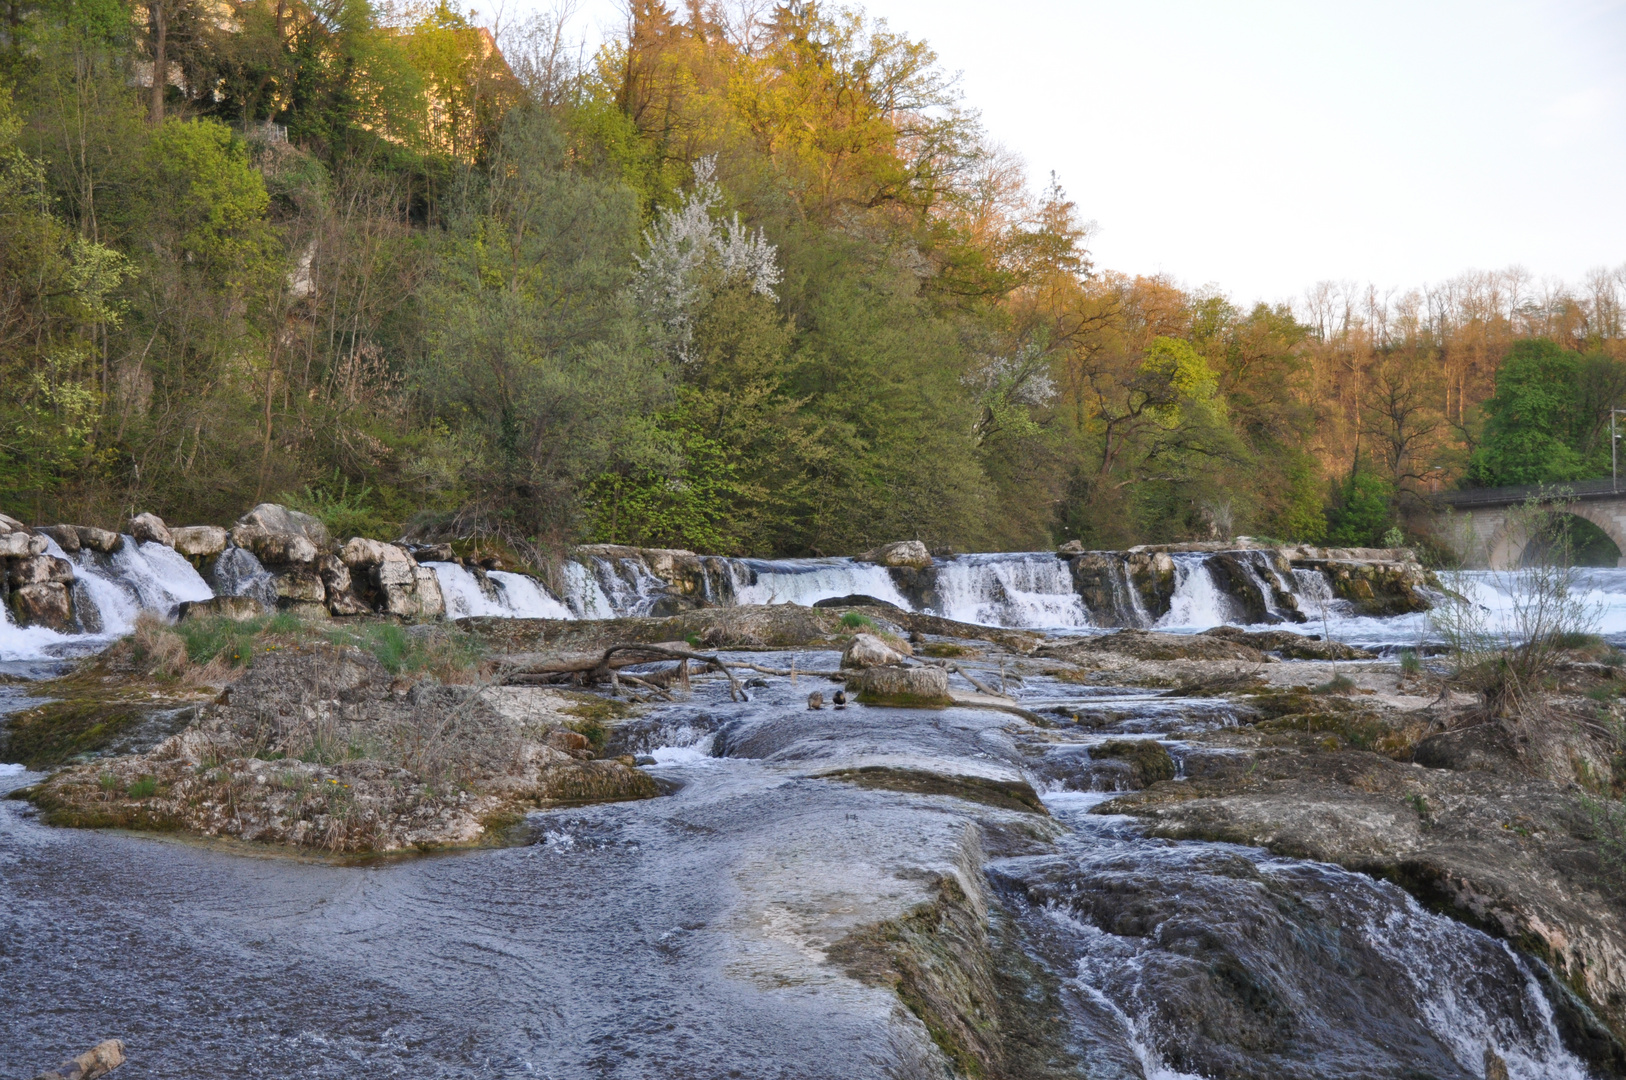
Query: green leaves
{"x": 1540, "y": 426}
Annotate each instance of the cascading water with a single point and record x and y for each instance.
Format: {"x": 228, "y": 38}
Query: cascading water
{"x": 1197, "y": 602}
{"x": 109, "y": 592}
{"x": 236, "y": 572}
{"x": 503, "y": 594}
{"x": 1032, "y": 590}
{"x": 807, "y": 581}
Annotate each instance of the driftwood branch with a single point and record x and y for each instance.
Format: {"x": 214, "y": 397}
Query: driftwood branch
{"x": 974, "y": 681}
{"x": 99, "y": 1060}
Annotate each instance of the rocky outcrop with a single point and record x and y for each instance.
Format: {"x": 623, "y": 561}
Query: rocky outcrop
{"x": 911, "y": 553}
{"x": 908, "y": 687}
{"x": 150, "y": 528}
{"x": 867, "y": 651}
{"x": 36, "y": 587}
{"x": 1290, "y": 646}
{"x": 76, "y": 538}
{"x": 1375, "y": 581}
{"x": 1150, "y": 645}
{"x": 275, "y": 759}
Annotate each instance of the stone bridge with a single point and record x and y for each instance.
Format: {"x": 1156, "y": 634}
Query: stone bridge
{"x": 1486, "y": 529}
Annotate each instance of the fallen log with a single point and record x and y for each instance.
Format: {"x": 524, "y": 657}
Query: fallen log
{"x": 99, "y": 1060}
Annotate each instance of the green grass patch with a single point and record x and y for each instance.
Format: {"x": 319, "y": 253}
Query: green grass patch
{"x": 434, "y": 649}
{"x": 237, "y": 641}
{"x": 855, "y": 621}
{"x": 1409, "y": 664}
{"x": 144, "y": 788}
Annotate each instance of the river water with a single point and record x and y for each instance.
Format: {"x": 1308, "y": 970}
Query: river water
{"x": 689, "y": 935}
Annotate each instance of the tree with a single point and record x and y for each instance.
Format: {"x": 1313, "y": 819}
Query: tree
{"x": 1536, "y": 423}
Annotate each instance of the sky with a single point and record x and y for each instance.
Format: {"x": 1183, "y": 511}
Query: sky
{"x": 1261, "y": 147}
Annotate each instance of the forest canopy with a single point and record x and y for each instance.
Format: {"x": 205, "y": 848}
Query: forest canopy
{"x": 742, "y": 284}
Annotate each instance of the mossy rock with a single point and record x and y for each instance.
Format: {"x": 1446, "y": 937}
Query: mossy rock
{"x": 1149, "y": 760}
{"x": 901, "y": 687}
{"x": 55, "y": 732}
{"x": 1005, "y": 794}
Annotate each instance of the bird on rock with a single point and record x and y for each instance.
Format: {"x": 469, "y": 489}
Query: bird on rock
{"x": 840, "y": 699}
{"x": 815, "y": 700}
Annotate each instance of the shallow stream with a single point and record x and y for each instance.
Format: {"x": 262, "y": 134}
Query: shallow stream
{"x": 691, "y": 935}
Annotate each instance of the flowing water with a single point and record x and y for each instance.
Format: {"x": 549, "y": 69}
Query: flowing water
{"x": 691, "y": 935}
{"x": 688, "y": 935}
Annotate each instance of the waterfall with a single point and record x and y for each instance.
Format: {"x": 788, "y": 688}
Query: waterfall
{"x": 1031, "y": 589}
{"x": 109, "y": 591}
{"x": 502, "y": 594}
{"x": 1197, "y": 601}
{"x": 583, "y": 594}
{"x": 236, "y": 572}
{"x": 807, "y": 581}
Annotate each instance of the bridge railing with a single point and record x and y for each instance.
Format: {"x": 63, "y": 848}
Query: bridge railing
{"x": 1508, "y": 496}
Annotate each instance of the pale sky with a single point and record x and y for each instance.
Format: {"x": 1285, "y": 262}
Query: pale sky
{"x": 1263, "y": 146}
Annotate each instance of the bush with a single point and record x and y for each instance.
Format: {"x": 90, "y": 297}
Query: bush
{"x": 854, "y": 621}
{"x": 1507, "y": 663}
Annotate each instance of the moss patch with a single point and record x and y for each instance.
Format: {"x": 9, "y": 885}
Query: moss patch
{"x": 1148, "y": 758}
{"x": 58, "y": 731}
{"x": 1005, "y": 794}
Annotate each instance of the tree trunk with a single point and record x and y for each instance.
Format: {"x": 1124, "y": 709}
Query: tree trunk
{"x": 160, "y": 60}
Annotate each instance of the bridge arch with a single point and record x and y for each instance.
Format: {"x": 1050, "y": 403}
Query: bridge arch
{"x": 1512, "y": 538}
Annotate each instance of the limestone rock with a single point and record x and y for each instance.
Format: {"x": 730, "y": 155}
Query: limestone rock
{"x": 1150, "y": 645}
{"x": 394, "y": 572}
{"x": 1070, "y": 549}
{"x": 279, "y": 536}
{"x": 431, "y": 601}
{"x": 867, "y": 651}
{"x": 49, "y": 604}
{"x": 20, "y": 544}
{"x": 275, "y": 519}
{"x": 105, "y": 541}
{"x": 902, "y": 686}
{"x": 199, "y": 541}
{"x": 359, "y": 551}
{"x": 237, "y": 608}
{"x": 66, "y": 536}
{"x": 150, "y": 528}
{"x": 910, "y": 553}
{"x": 11, "y": 524}
{"x": 300, "y": 586}
{"x": 1291, "y": 646}
{"x": 39, "y": 570}
{"x": 433, "y": 553}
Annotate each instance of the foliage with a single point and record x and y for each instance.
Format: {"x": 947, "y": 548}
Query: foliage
{"x": 1362, "y": 513}
{"x": 745, "y": 281}
{"x": 1548, "y": 420}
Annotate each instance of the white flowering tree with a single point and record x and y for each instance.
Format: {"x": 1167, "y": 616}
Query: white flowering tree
{"x": 692, "y": 256}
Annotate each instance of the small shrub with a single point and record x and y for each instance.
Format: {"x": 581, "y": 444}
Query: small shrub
{"x": 854, "y": 621}
{"x": 1409, "y": 664}
{"x": 109, "y": 782}
{"x": 144, "y": 788}
{"x": 1338, "y": 684}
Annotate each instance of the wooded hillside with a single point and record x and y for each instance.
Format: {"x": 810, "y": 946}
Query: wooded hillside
{"x": 742, "y": 285}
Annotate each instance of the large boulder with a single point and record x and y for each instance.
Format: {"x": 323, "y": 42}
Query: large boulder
{"x": 48, "y": 604}
{"x": 910, "y": 553}
{"x": 20, "y": 544}
{"x": 279, "y": 536}
{"x": 909, "y": 687}
{"x": 867, "y": 651}
{"x": 236, "y": 608}
{"x": 39, "y": 570}
{"x": 359, "y": 552}
{"x": 199, "y": 541}
{"x": 75, "y": 538}
{"x": 150, "y": 528}
{"x": 10, "y": 524}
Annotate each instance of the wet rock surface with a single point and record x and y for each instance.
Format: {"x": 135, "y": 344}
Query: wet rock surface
{"x": 856, "y": 891}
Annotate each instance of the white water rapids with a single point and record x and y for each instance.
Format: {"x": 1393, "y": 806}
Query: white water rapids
{"x": 1032, "y": 590}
